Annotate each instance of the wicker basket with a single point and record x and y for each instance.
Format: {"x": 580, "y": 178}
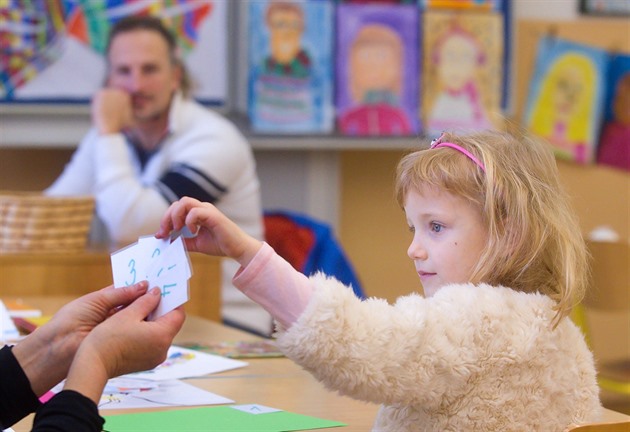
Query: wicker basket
{"x": 32, "y": 222}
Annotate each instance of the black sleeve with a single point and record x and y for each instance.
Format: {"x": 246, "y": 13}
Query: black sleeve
{"x": 17, "y": 399}
{"x": 68, "y": 411}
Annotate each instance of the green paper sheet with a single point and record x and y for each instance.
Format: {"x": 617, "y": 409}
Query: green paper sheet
{"x": 221, "y": 418}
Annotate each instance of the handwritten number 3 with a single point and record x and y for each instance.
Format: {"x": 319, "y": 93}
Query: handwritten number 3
{"x": 132, "y": 271}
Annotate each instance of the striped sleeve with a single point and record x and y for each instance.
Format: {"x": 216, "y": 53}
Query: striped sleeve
{"x": 184, "y": 180}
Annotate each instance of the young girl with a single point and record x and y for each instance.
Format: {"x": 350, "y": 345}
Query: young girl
{"x": 490, "y": 346}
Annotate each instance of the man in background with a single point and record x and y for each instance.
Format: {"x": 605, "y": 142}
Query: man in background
{"x": 150, "y": 144}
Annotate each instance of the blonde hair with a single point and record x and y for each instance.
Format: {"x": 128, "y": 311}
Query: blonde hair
{"x": 534, "y": 241}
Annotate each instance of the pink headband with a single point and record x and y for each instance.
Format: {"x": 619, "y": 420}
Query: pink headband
{"x": 437, "y": 143}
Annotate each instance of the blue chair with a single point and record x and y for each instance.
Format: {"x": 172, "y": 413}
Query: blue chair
{"x": 309, "y": 246}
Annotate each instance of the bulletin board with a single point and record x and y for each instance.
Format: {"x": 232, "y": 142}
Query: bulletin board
{"x": 57, "y": 52}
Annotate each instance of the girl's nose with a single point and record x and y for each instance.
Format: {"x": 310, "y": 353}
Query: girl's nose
{"x": 415, "y": 251}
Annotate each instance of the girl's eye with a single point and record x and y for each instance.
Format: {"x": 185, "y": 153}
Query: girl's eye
{"x": 412, "y": 229}
{"x": 436, "y": 227}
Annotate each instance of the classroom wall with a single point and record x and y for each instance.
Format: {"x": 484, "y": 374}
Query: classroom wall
{"x": 353, "y": 190}
{"x": 373, "y": 230}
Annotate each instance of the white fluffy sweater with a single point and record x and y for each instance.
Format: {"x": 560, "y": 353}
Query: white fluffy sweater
{"x": 471, "y": 358}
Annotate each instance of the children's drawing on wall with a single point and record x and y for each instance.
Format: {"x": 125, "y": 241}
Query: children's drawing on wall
{"x": 462, "y": 71}
{"x": 462, "y": 4}
{"x": 290, "y": 77}
{"x": 377, "y": 69}
{"x": 379, "y": 1}
{"x": 56, "y": 47}
{"x": 566, "y": 97}
{"x": 614, "y": 142}
{"x": 287, "y": 56}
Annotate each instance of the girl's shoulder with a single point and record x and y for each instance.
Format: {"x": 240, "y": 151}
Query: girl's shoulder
{"x": 488, "y": 300}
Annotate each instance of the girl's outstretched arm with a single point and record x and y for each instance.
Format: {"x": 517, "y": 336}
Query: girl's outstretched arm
{"x": 216, "y": 234}
{"x": 264, "y": 276}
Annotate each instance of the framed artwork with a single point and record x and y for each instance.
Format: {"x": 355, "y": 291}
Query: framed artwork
{"x": 379, "y": 1}
{"x": 377, "y": 69}
{"x": 462, "y": 71}
{"x": 605, "y": 7}
{"x": 614, "y": 141}
{"x": 503, "y": 7}
{"x": 290, "y": 84}
{"x": 56, "y": 47}
{"x": 565, "y": 103}
{"x": 487, "y": 5}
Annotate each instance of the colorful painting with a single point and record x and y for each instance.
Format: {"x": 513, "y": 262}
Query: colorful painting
{"x": 614, "y": 142}
{"x": 566, "y": 97}
{"x": 379, "y": 1}
{"x": 290, "y": 65}
{"x": 462, "y": 71}
{"x": 53, "y": 50}
{"x": 463, "y": 4}
{"x": 377, "y": 69}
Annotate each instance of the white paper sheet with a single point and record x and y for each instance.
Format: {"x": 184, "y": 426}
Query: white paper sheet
{"x": 164, "y": 393}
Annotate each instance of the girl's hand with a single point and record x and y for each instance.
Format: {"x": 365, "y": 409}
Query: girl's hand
{"x": 216, "y": 234}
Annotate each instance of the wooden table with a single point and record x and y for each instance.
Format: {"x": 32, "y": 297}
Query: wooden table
{"x": 274, "y": 382}
{"x": 75, "y": 274}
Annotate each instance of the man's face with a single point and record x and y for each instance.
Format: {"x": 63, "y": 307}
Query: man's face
{"x": 139, "y": 63}
{"x": 285, "y": 28}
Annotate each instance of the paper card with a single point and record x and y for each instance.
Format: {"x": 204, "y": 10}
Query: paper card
{"x": 255, "y": 409}
{"x": 162, "y": 263}
{"x": 170, "y": 272}
{"x": 125, "y": 265}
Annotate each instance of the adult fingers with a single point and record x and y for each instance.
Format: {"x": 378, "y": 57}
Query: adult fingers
{"x": 113, "y": 297}
{"x": 173, "y": 321}
{"x": 144, "y": 305}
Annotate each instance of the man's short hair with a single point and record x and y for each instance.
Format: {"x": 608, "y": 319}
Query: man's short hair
{"x": 151, "y": 23}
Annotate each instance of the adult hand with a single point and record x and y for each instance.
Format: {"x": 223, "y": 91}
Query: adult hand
{"x": 111, "y": 110}
{"x": 216, "y": 234}
{"x": 122, "y": 344}
{"x": 46, "y": 354}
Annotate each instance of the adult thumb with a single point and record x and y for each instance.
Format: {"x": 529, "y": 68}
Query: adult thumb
{"x": 144, "y": 305}
{"x": 114, "y": 297}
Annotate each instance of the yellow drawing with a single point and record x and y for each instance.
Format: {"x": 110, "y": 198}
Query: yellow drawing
{"x": 564, "y": 107}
